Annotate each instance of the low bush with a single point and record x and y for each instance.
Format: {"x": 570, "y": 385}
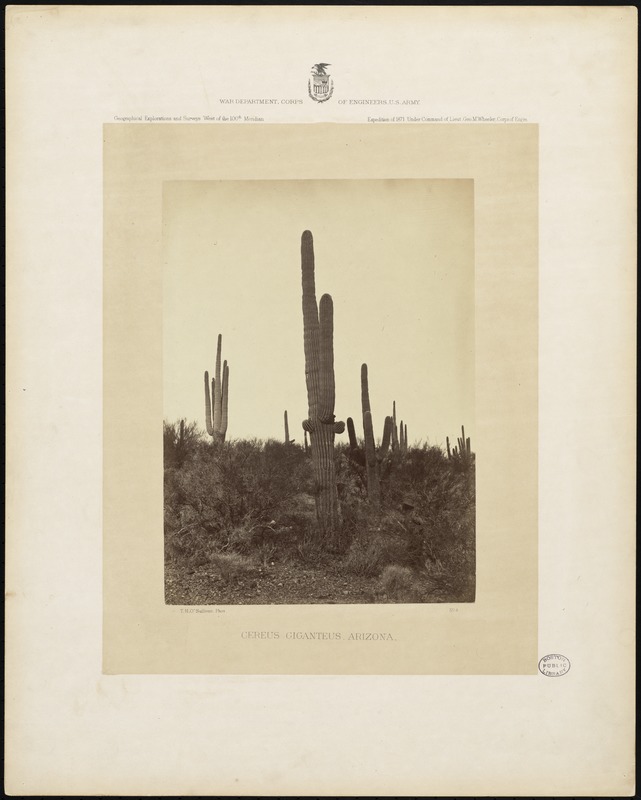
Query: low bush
{"x": 255, "y": 500}
{"x": 364, "y": 558}
{"x": 231, "y": 565}
{"x": 398, "y": 584}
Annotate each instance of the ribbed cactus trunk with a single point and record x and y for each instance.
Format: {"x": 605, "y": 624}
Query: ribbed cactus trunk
{"x": 287, "y": 441}
{"x": 318, "y": 339}
{"x": 373, "y": 479}
{"x": 351, "y": 432}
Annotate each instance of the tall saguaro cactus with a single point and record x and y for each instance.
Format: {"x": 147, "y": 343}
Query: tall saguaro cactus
{"x": 318, "y": 340}
{"x": 216, "y": 417}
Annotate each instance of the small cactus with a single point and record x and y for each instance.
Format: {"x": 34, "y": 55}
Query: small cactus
{"x": 287, "y": 439}
{"x": 351, "y": 432}
{"x": 395, "y": 443}
{"x": 402, "y": 438}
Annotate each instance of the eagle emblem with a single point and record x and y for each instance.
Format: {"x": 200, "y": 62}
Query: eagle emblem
{"x": 320, "y": 86}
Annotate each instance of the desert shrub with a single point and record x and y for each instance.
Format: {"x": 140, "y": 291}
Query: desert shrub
{"x": 224, "y": 485}
{"x": 191, "y": 546}
{"x": 255, "y": 500}
{"x": 398, "y": 583}
{"x": 440, "y": 516}
{"x": 180, "y": 442}
{"x": 364, "y": 558}
{"x": 426, "y": 525}
{"x": 410, "y": 472}
{"x": 309, "y": 550}
{"x": 377, "y": 541}
{"x": 231, "y": 565}
{"x": 350, "y": 475}
{"x": 243, "y": 497}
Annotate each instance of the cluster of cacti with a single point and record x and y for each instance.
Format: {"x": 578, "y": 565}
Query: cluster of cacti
{"x": 216, "y": 416}
{"x": 399, "y": 434}
{"x": 462, "y": 454}
{"x": 373, "y": 457}
{"x": 321, "y": 424}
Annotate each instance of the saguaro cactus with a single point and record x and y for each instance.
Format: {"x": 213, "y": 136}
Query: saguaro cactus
{"x": 216, "y": 417}
{"x": 373, "y": 478}
{"x": 373, "y": 458}
{"x": 402, "y": 440}
{"x": 287, "y": 439}
{"x": 394, "y": 427}
{"x": 351, "y": 432}
{"x": 318, "y": 340}
{"x": 462, "y": 456}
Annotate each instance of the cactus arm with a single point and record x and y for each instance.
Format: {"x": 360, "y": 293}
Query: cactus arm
{"x": 447, "y": 442}
{"x": 351, "y": 432}
{"x": 225, "y": 402}
{"x": 364, "y": 390}
{"x": 327, "y": 388}
{"x": 311, "y": 326}
{"x": 210, "y": 429}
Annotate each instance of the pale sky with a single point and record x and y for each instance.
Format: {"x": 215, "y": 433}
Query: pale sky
{"x": 397, "y": 257}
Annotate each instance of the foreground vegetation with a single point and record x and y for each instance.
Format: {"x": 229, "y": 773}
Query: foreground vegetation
{"x": 241, "y": 525}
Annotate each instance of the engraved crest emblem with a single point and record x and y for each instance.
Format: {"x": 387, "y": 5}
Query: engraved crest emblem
{"x": 321, "y": 85}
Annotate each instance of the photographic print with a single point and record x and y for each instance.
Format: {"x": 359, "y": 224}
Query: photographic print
{"x": 318, "y": 392}
{"x": 394, "y": 249}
